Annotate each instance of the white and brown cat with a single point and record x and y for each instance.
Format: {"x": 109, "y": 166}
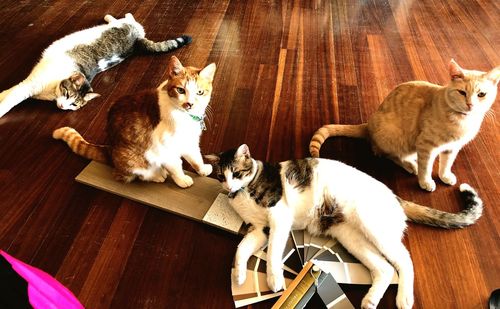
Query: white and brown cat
{"x": 329, "y": 198}
{"x": 149, "y": 132}
{"x": 68, "y": 65}
{"x": 419, "y": 121}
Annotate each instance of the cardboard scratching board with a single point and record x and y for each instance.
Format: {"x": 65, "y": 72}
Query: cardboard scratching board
{"x": 201, "y": 202}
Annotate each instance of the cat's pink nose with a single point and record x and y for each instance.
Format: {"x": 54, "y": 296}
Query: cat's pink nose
{"x": 188, "y": 105}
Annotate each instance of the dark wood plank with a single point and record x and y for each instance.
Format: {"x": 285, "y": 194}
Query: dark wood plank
{"x": 284, "y": 69}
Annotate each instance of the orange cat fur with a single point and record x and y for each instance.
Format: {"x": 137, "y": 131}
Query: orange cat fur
{"x": 150, "y": 131}
{"x": 419, "y": 121}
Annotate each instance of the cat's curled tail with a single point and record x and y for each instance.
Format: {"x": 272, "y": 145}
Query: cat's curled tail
{"x": 163, "y": 46}
{"x": 433, "y": 217}
{"x": 80, "y": 146}
{"x": 326, "y": 131}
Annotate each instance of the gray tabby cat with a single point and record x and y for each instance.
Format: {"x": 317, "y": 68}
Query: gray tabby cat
{"x": 329, "y": 198}
{"x": 69, "y": 64}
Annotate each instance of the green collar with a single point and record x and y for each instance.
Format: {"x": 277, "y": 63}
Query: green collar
{"x": 196, "y": 118}
{"x": 200, "y": 120}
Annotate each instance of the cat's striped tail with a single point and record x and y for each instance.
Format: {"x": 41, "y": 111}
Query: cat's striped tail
{"x": 80, "y": 146}
{"x": 430, "y": 216}
{"x": 326, "y": 131}
{"x": 164, "y": 46}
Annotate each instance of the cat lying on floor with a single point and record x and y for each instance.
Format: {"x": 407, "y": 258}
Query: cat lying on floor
{"x": 329, "y": 198}
{"x": 68, "y": 65}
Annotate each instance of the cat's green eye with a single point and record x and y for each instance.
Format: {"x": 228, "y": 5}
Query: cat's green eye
{"x": 181, "y": 90}
{"x": 200, "y": 92}
{"x": 481, "y": 94}
{"x": 236, "y": 174}
{"x": 462, "y": 92}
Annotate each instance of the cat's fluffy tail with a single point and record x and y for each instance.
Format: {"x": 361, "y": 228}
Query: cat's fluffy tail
{"x": 164, "y": 46}
{"x": 326, "y": 131}
{"x": 429, "y": 216}
{"x": 80, "y": 146}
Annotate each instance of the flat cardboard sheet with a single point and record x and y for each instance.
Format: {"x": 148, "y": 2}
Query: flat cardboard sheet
{"x": 193, "y": 202}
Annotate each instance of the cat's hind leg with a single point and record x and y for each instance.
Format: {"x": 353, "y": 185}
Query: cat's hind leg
{"x": 280, "y": 224}
{"x": 130, "y": 17}
{"x": 397, "y": 254}
{"x": 123, "y": 176}
{"x": 409, "y": 163}
{"x": 387, "y": 241}
{"x": 361, "y": 248}
{"x": 253, "y": 241}
{"x": 109, "y": 19}
{"x": 153, "y": 174}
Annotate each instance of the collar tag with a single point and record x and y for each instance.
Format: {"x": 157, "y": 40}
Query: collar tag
{"x": 201, "y": 120}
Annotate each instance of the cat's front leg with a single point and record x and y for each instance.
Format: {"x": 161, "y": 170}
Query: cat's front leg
{"x": 446, "y": 159}
{"x": 15, "y": 95}
{"x": 195, "y": 159}
{"x": 253, "y": 241}
{"x": 425, "y": 157}
{"x": 280, "y": 220}
{"x": 174, "y": 168}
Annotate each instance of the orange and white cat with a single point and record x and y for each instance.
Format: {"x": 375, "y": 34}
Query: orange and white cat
{"x": 149, "y": 132}
{"x": 419, "y": 121}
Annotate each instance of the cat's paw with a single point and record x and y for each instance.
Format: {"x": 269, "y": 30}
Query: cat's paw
{"x": 205, "y": 170}
{"x": 404, "y": 300}
{"x": 427, "y": 184}
{"x": 369, "y": 303}
{"x": 275, "y": 280}
{"x": 184, "y": 181}
{"x": 239, "y": 275}
{"x": 448, "y": 178}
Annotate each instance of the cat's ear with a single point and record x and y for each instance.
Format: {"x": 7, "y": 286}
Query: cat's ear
{"x": 208, "y": 72}
{"x": 456, "y": 71}
{"x": 243, "y": 151}
{"x": 91, "y": 95}
{"x": 78, "y": 79}
{"x": 494, "y": 75}
{"x": 174, "y": 67}
{"x": 213, "y": 159}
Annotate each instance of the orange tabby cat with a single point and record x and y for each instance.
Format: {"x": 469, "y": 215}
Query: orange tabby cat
{"x": 150, "y": 131}
{"x": 419, "y": 121}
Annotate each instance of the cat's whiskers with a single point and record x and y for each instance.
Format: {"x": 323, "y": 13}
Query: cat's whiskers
{"x": 208, "y": 114}
{"x": 490, "y": 114}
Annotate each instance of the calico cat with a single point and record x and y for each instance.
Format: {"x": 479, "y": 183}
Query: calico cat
{"x": 68, "y": 65}
{"x": 150, "y": 131}
{"x": 327, "y": 197}
{"x": 418, "y": 121}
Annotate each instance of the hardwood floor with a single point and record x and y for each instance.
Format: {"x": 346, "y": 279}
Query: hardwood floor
{"x": 284, "y": 69}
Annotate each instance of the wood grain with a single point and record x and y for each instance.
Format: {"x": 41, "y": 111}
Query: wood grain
{"x": 284, "y": 68}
